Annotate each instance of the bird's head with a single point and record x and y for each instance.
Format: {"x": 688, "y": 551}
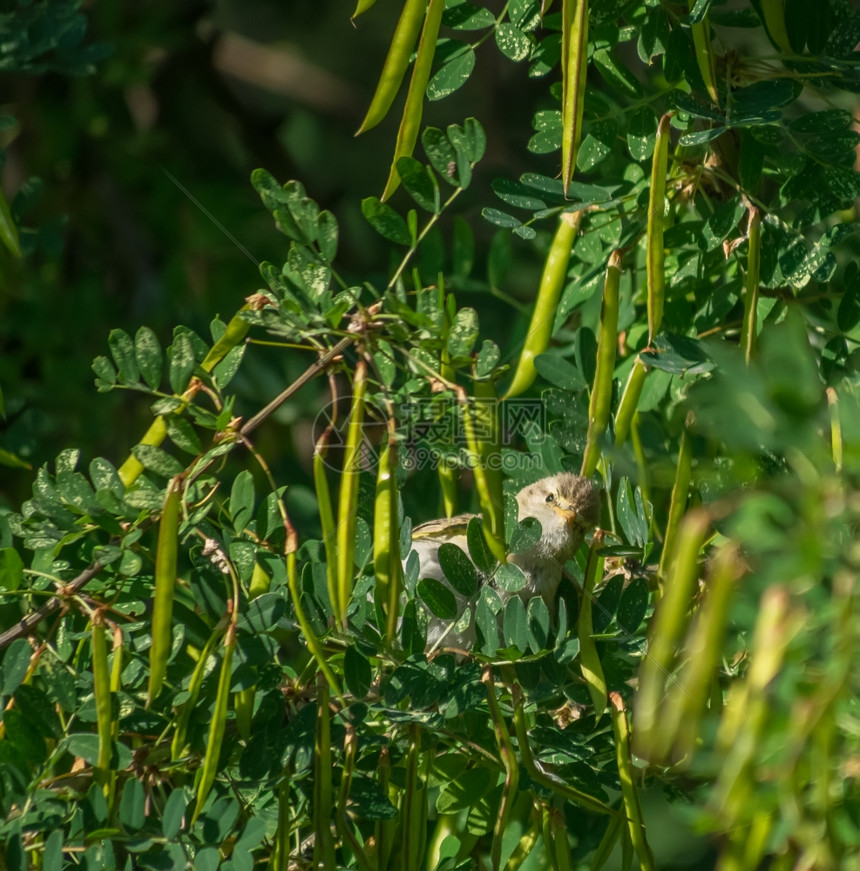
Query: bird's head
{"x": 566, "y": 506}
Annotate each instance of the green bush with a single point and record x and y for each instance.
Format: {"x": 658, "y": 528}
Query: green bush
{"x": 208, "y": 663}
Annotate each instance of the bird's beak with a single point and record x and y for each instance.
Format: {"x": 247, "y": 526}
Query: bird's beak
{"x": 567, "y": 512}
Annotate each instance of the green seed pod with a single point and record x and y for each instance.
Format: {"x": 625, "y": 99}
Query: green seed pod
{"x": 629, "y": 401}
{"x": 668, "y": 626}
{"x": 361, "y": 7}
{"x": 195, "y": 682}
{"x": 487, "y": 483}
{"x": 165, "y": 584}
{"x": 327, "y": 524}
{"x": 655, "y": 273}
{"x": 386, "y": 538}
{"x": 592, "y": 670}
{"x": 219, "y": 721}
{"x": 410, "y": 123}
{"x": 397, "y": 60}
{"x": 104, "y": 714}
{"x": 701, "y": 31}
{"x": 629, "y": 795}
{"x": 678, "y": 503}
{"x": 748, "y": 330}
{"x": 574, "y": 55}
{"x": 543, "y": 316}
{"x": 347, "y": 508}
{"x": 600, "y": 403}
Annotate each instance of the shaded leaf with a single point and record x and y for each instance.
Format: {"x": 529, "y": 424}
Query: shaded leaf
{"x": 438, "y": 598}
{"x": 385, "y": 221}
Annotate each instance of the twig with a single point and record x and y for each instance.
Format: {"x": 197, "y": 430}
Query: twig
{"x": 253, "y": 422}
{"x": 28, "y": 623}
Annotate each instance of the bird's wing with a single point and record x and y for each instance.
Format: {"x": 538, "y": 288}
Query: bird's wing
{"x": 451, "y": 527}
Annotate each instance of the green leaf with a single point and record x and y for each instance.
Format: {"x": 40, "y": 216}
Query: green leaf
{"x": 487, "y": 359}
{"x": 52, "y": 856}
{"x": 844, "y": 38}
{"x": 723, "y": 222}
{"x": 759, "y": 103}
{"x": 512, "y": 42}
{"x": 357, "y": 673}
{"x": 751, "y": 161}
{"x": 182, "y": 362}
{"x": 104, "y": 476}
{"x": 60, "y": 684}
{"x": 413, "y": 632}
{"x": 525, "y": 535}
{"x": 463, "y": 333}
{"x": 467, "y": 16}
{"x": 438, "y": 598}
{"x": 132, "y": 807}
{"x": 157, "y": 460}
{"x": 478, "y": 549}
{"x": 515, "y": 625}
{"x": 458, "y": 569}
{"x": 174, "y": 811}
{"x": 385, "y": 221}
{"x": 442, "y": 154}
{"x": 700, "y": 137}
{"x": 616, "y": 75}
{"x": 420, "y": 183}
{"x": 632, "y": 605}
{"x": 8, "y": 228}
{"x": 510, "y": 578}
{"x": 15, "y": 664}
{"x": 597, "y": 145}
{"x": 327, "y": 235}
{"x": 699, "y": 11}
{"x": 547, "y": 138}
{"x": 7, "y": 458}
{"x": 76, "y": 492}
{"x": 147, "y": 352}
{"x": 85, "y": 746}
{"x": 266, "y": 610}
{"x": 517, "y": 194}
{"x": 122, "y": 351}
{"x": 207, "y": 859}
{"x": 538, "y": 624}
{"x": 182, "y": 434}
{"x": 677, "y": 354}
{"x": 641, "y": 133}
{"x": 826, "y": 121}
{"x": 453, "y": 75}
{"x": 848, "y": 314}
{"x": 67, "y": 460}
{"x": 470, "y": 139}
{"x": 501, "y": 219}
{"x": 11, "y": 569}
{"x": 606, "y": 603}
{"x": 486, "y": 620}
{"x": 559, "y": 372}
{"x": 465, "y": 790}
{"x": 631, "y": 514}
{"x": 242, "y": 500}
{"x": 654, "y": 36}
{"x": 368, "y": 801}
{"x": 691, "y": 105}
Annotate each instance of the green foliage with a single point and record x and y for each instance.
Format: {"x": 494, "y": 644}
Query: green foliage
{"x": 187, "y": 678}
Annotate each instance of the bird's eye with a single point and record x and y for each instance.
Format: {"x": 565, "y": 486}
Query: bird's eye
{"x": 550, "y": 498}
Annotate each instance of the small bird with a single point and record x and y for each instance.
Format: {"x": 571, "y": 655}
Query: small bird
{"x": 566, "y": 506}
